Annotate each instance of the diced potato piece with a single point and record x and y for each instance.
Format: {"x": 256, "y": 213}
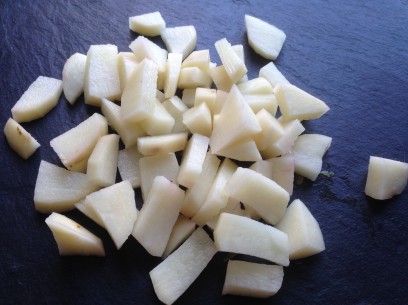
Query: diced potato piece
{"x": 219, "y": 101}
{"x": 220, "y": 78}
{"x": 158, "y": 215}
{"x": 128, "y": 165}
{"x": 188, "y": 97}
{"x": 199, "y": 59}
{"x": 128, "y": 132}
{"x": 262, "y": 194}
{"x": 158, "y": 165}
{"x": 195, "y": 196}
{"x": 205, "y": 95}
{"x": 252, "y": 279}
{"x": 40, "y": 97}
{"x": 193, "y": 77}
{"x": 103, "y": 161}
{"x": 233, "y": 64}
{"x": 258, "y": 102}
{"x": 115, "y": 206}
{"x": 284, "y": 144}
{"x": 159, "y": 121}
{"x": 239, "y": 234}
{"x": 182, "y": 230}
{"x": 144, "y": 48}
{"x": 239, "y": 50}
{"x": 72, "y": 238}
{"x": 233, "y": 207}
{"x": 101, "y": 74}
{"x": 198, "y": 119}
{"x": 175, "y": 107}
{"x": 21, "y": 141}
{"x": 304, "y": 234}
{"x": 273, "y": 75}
{"x": 386, "y": 178}
{"x": 308, "y": 151}
{"x": 257, "y": 85}
{"x": 216, "y": 199}
{"x": 155, "y": 145}
{"x": 89, "y": 212}
{"x": 139, "y": 95}
{"x": 280, "y": 169}
{"x": 75, "y": 146}
{"x": 181, "y": 39}
{"x": 73, "y": 75}
{"x": 57, "y": 189}
{"x": 244, "y": 151}
{"x": 272, "y": 130}
{"x": 294, "y": 103}
{"x": 127, "y": 63}
{"x": 193, "y": 159}
{"x": 236, "y": 123}
{"x": 173, "y": 68}
{"x": 264, "y": 38}
{"x": 177, "y": 272}
{"x": 149, "y": 24}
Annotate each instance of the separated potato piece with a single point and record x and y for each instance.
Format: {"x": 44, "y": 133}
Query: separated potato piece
{"x": 182, "y": 39}
{"x": 182, "y": 230}
{"x": 57, "y": 189}
{"x": 127, "y": 63}
{"x": 101, "y": 74}
{"x": 304, "y": 234}
{"x": 19, "y": 139}
{"x": 233, "y": 64}
{"x": 193, "y": 77}
{"x": 103, "y": 161}
{"x": 264, "y": 38}
{"x": 273, "y": 75}
{"x": 205, "y": 95}
{"x": 72, "y": 238}
{"x": 262, "y": 194}
{"x": 158, "y": 215}
{"x": 175, "y": 107}
{"x": 89, "y": 212}
{"x": 233, "y": 206}
{"x": 244, "y": 151}
{"x": 295, "y": 103}
{"x": 239, "y": 50}
{"x": 75, "y": 146}
{"x": 198, "y": 119}
{"x": 199, "y": 59}
{"x": 177, "y": 272}
{"x": 193, "y": 160}
{"x": 149, "y": 24}
{"x": 239, "y": 234}
{"x": 128, "y": 165}
{"x": 220, "y": 78}
{"x": 40, "y": 97}
{"x": 158, "y": 165}
{"x": 272, "y": 130}
{"x": 188, "y": 97}
{"x": 159, "y": 121}
{"x": 173, "y": 68}
{"x": 252, "y": 279}
{"x": 143, "y": 48}
{"x": 73, "y": 75}
{"x": 156, "y": 145}
{"x": 386, "y": 178}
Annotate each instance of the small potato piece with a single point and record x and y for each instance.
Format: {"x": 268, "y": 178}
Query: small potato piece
{"x": 233, "y": 64}
{"x": 150, "y": 24}
{"x": 19, "y": 139}
{"x": 164, "y": 144}
{"x": 128, "y": 165}
{"x": 73, "y": 75}
{"x": 273, "y": 75}
{"x": 182, "y": 230}
{"x": 173, "y": 67}
{"x": 182, "y": 39}
{"x": 175, "y": 107}
{"x": 40, "y": 97}
{"x": 386, "y": 178}
{"x": 198, "y": 119}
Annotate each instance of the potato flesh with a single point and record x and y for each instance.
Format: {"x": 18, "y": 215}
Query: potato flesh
{"x": 173, "y": 68}
{"x": 245, "y": 151}
{"x": 205, "y": 95}
{"x": 221, "y": 78}
{"x": 21, "y": 141}
{"x": 158, "y": 215}
{"x": 73, "y": 75}
{"x": 304, "y": 234}
{"x": 159, "y": 121}
{"x": 264, "y": 195}
{"x": 143, "y": 48}
{"x": 103, "y": 161}
{"x": 182, "y": 229}
{"x": 199, "y": 59}
{"x": 252, "y": 279}
{"x": 272, "y": 129}
{"x": 175, "y": 107}
{"x": 234, "y": 66}
{"x": 128, "y": 165}
{"x": 155, "y": 145}
{"x": 75, "y": 145}
{"x": 182, "y": 39}
{"x": 40, "y": 97}
{"x": 273, "y": 75}
{"x": 234, "y": 233}
{"x": 127, "y": 63}
{"x": 72, "y": 238}
{"x": 385, "y": 178}
{"x": 150, "y": 24}
{"x": 198, "y": 119}
{"x": 101, "y": 74}
{"x": 57, "y": 189}
{"x": 193, "y": 77}
{"x": 179, "y": 270}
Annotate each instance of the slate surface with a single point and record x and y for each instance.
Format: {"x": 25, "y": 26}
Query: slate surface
{"x": 352, "y": 54}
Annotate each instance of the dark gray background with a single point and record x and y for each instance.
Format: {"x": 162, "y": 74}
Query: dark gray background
{"x": 351, "y": 54}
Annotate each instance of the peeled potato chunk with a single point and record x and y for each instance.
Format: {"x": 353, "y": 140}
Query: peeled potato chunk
{"x": 386, "y": 178}
{"x": 273, "y": 75}
{"x": 182, "y": 39}
{"x": 128, "y": 165}
{"x": 252, "y": 279}
{"x": 149, "y": 24}
{"x": 19, "y": 139}
{"x": 182, "y": 230}
{"x": 179, "y": 270}
{"x": 73, "y": 75}
{"x": 264, "y": 38}
{"x": 239, "y": 234}
{"x": 72, "y": 238}
{"x": 164, "y": 144}
{"x": 233, "y": 64}
{"x": 304, "y": 234}
{"x": 40, "y": 97}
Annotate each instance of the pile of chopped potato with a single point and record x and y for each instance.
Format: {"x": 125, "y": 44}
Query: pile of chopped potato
{"x": 219, "y": 119}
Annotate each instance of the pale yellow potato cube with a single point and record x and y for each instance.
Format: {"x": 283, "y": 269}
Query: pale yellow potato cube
{"x": 193, "y": 77}
{"x": 199, "y": 59}
{"x": 198, "y": 119}
{"x": 233, "y": 64}
{"x": 164, "y": 144}
{"x": 150, "y": 24}
{"x": 181, "y": 39}
{"x": 21, "y": 141}
{"x": 273, "y": 75}
{"x": 73, "y": 75}
{"x": 159, "y": 121}
{"x": 243, "y": 151}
